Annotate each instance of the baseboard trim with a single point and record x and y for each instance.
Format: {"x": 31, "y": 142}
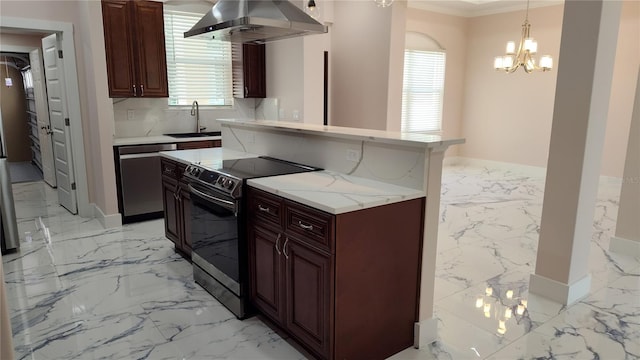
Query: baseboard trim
{"x": 624, "y": 246}
{"x": 425, "y": 332}
{"x": 559, "y": 292}
{"x": 107, "y": 221}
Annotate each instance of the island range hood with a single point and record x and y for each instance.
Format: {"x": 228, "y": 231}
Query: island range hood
{"x": 255, "y": 21}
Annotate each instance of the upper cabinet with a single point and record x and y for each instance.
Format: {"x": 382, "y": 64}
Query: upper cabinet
{"x": 249, "y": 75}
{"x": 135, "y": 47}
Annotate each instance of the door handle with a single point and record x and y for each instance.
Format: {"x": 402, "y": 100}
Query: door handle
{"x": 135, "y": 91}
{"x": 284, "y": 248}
{"x": 305, "y": 226}
{"x": 277, "y": 243}
{"x": 142, "y": 90}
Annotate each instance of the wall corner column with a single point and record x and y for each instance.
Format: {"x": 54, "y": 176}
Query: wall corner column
{"x": 585, "y": 73}
{"x": 425, "y": 331}
{"x": 627, "y": 238}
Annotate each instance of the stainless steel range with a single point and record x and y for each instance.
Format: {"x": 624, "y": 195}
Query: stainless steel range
{"x": 218, "y": 224}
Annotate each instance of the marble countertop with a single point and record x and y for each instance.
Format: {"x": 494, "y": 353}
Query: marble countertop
{"x": 391, "y": 137}
{"x": 208, "y": 156}
{"x": 333, "y": 192}
{"x": 159, "y": 139}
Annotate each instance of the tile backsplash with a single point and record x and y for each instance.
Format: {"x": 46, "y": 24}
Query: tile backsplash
{"x": 151, "y": 117}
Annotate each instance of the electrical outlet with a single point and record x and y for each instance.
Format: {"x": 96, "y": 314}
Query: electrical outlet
{"x": 353, "y": 155}
{"x": 296, "y": 115}
{"x": 131, "y": 115}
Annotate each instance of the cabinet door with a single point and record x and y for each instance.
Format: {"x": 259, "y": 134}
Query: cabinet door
{"x": 150, "y": 47}
{"x": 265, "y": 269}
{"x": 116, "y": 18}
{"x": 185, "y": 216}
{"x": 171, "y": 210}
{"x": 254, "y": 71}
{"x": 308, "y": 294}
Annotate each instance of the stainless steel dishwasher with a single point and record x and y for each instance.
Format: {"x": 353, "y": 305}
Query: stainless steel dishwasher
{"x": 140, "y": 181}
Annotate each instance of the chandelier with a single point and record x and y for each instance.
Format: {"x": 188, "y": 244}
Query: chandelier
{"x": 522, "y": 57}
{"x": 383, "y": 3}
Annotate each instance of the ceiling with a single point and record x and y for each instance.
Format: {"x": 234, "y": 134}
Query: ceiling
{"x": 472, "y": 8}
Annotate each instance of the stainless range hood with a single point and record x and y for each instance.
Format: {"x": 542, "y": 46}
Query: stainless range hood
{"x": 255, "y": 21}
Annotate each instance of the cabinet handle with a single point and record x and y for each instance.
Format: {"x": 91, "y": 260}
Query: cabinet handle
{"x": 135, "y": 91}
{"x": 277, "y": 243}
{"x": 284, "y": 248}
{"x": 142, "y": 90}
{"x": 305, "y": 226}
{"x": 264, "y": 209}
{"x": 175, "y": 196}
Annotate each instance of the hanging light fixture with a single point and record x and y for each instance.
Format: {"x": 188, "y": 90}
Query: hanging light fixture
{"x": 312, "y": 9}
{"x": 522, "y": 56}
{"x": 8, "y": 82}
{"x": 383, "y": 3}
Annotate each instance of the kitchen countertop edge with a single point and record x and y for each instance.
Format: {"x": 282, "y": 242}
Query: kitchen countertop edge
{"x": 159, "y": 139}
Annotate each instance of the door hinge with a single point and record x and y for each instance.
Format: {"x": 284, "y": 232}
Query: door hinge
{"x": 66, "y": 121}
{"x": 73, "y": 186}
{"x": 59, "y": 54}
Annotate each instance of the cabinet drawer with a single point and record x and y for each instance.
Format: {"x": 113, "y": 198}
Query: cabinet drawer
{"x": 314, "y": 227}
{"x": 266, "y": 207}
{"x": 170, "y": 169}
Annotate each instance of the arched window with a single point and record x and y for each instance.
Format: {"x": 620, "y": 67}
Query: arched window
{"x": 423, "y": 84}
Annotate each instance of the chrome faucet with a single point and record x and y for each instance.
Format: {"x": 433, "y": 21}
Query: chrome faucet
{"x": 195, "y": 111}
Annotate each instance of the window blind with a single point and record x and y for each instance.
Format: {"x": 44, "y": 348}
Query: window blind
{"x": 423, "y": 91}
{"x": 197, "y": 68}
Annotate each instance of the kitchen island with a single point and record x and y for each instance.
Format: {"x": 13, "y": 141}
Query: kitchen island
{"x": 406, "y": 160}
{"x": 363, "y": 169}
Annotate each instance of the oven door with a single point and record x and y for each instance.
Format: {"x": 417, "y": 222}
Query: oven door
{"x": 214, "y": 235}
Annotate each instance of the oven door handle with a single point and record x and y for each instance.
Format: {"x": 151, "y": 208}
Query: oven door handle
{"x": 229, "y": 205}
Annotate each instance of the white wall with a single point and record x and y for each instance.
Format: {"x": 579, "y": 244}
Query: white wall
{"x": 285, "y": 77}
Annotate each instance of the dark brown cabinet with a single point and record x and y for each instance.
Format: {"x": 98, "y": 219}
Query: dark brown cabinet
{"x": 344, "y": 286}
{"x": 135, "y": 48}
{"x": 249, "y": 70}
{"x": 176, "y": 202}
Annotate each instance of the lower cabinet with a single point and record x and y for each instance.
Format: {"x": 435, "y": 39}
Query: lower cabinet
{"x": 343, "y": 286}
{"x": 176, "y": 200}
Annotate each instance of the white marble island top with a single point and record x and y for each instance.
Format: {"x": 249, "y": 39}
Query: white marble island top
{"x": 333, "y": 192}
{"x": 206, "y": 156}
{"x": 381, "y": 136}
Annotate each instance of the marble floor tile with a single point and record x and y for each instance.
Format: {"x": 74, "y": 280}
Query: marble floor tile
{"x": 77, "y": 291}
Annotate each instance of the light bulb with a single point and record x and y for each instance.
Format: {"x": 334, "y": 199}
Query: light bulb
{"x": 487, "y": 308}
{"x": 488, "y": 291}
{"x": 546, "y": 62}
{"x": 520, "y": 310}
{"x": 523, "y": 302}
{"x": 383, "y": 3}
{"x": 497, "y": 63}
{"x": 511, "y": 48}
{"x": 502, "y": 328}
{"x": 507, "y": 61}
{"x": 312, "y": 9}
{"x": 528, "y": 44}
{"x": 509, "y": 294}
{"x": 479, "y": 302}
{"x": 507, "y": 313}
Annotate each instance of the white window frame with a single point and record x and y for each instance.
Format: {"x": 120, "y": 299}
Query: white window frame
{"x": 419, "y": 82}
{"x": 200, "y": 63}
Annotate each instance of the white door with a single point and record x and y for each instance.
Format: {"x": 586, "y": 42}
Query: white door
{"x": 59, "y": 117}
{"x": 44, "y": 126}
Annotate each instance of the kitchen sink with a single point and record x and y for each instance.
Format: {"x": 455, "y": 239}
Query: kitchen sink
{"x": 188, "y": 135}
